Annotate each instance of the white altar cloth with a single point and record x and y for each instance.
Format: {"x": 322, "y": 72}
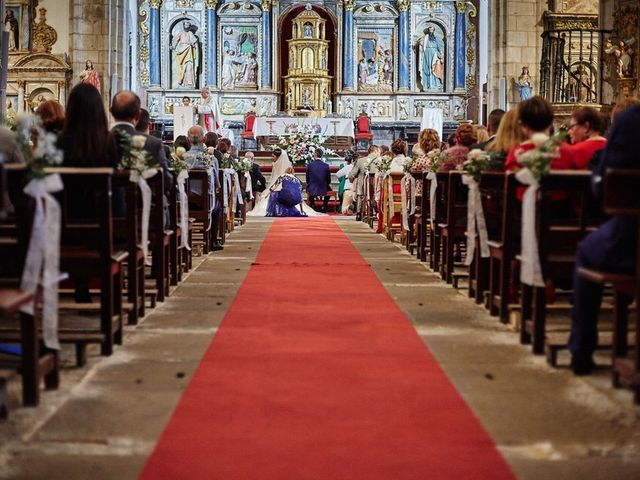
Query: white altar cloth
{"x": 433, "y": 118}
{"x": 276, "y": 126}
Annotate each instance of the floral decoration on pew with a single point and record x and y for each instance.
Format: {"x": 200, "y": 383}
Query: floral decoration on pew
{"x": 546, "y": 149}
{"x": 42, "y": 263}
{"x": 229, "y": 162}
{"x": 435, "y": 158}
{"x": 39, "y": 147}
{"x": 134, "y": 157}
{"x": 244, "y": 165}
{"x": 477, "y": 162}
{"x": 383, "y": 164}
{"x": 178, "y": 161}
{"x": 407, "y": 165}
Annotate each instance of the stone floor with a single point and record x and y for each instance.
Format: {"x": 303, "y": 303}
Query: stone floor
{"x": 106, "y": 417}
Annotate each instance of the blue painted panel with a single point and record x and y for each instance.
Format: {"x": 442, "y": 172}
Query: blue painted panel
{"x": 347, "y": 54}
{"x": 212, "y": 47}
{"x": 266, "y": 49}
{"x": 154, "y": 46}
{"x": 460, "y": 51}
{"x": 403, "y": 71}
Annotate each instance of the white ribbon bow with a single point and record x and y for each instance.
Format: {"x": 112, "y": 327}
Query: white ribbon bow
{"x": 43, "y": 255}
{"x": 228, "y": 172}
{"x": 530, "y": 269}
{"x": 392, "y": 210}
{"x": 248, "y": 185}
{"x": 409, "y": 209}
{"x": 475, "y": 221}
{"x": 140, "y": 178}
{"x": 433, "y": 187}
{"x": 184, "y": 208}
{"x": 238, "y": 191}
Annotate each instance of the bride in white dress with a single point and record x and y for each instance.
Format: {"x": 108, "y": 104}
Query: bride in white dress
{"x": 279, "y": 167}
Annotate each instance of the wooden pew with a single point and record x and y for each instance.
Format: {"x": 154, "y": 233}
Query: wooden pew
{"x": 159, "y": 236}
{"x": 180, "y": 258}
{"x": 422, "y": 219}
{"x": 36, "y": 361}
{"x": 412, "y": 237}
{"x": 453, "y": 229}
{"x": 502, "y": 251}
{"x": 87, "y": 251}
{"x": 439, "y": 217}
{"x": 391, "y": 224}
{"x": 126, "y": 231}
{"x": 369, "y": 205}
{"x": 200, "y": 206}
{"x": 558, "y": 238}
{"x": 622, "y": 197}
{"x": 491, "y": 187}
{"x": 221, "y": 234}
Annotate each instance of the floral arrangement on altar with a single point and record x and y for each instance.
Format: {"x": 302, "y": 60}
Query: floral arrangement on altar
{"x": 478, "y": 161}
{"x": 134, "y": 156}
{"x": 539, "y": 159}
{"x": 39, "y": 147}
{"x": 301, "y": 141}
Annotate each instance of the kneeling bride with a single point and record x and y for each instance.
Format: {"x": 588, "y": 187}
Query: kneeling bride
{"x": 286, "y": 196}
{"x": 276, "y": 184}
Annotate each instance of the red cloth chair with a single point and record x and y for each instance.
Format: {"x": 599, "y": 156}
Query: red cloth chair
{"x": 247, "y": 134}
{"x": 363, "y": 132}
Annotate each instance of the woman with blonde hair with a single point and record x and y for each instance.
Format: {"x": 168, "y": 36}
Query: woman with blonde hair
{"x": 428, "y": 140}
{"x": 508, "y": 136}
{"x": 482, "y": 133}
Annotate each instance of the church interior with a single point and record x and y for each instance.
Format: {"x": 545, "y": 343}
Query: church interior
{"x": 323, "y": 239}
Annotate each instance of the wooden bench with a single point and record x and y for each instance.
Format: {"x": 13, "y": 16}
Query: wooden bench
{"x": 622, "y": 197}
{"x": 392, "y": 222}
{"x": 558, "y": 237}
{"x": 453, "y": 229}
{"x": 502, "y": 251}
{"x": 200, "y": 206}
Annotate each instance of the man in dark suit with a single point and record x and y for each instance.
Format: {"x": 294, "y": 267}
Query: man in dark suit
{"x": 611, "y": 247}
{"x": 258, "y": 181}
{"x": 493, "y": 122}
{"x": 318, "y": 180}
{"x": 125, "y": 108}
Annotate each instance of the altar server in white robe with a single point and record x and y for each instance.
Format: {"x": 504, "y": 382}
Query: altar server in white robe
{"x": 209, "y": 111}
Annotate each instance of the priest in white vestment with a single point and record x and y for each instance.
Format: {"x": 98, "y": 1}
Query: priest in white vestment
{"x": 209, "y": 111}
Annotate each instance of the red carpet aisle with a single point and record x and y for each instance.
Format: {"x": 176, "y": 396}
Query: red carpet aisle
{"x": 316, "y": 374}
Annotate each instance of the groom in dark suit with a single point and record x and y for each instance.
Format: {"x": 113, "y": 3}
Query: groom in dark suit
{"x": 318, "y": 180}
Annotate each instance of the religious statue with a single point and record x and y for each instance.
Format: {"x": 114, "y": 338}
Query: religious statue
{"x": 348, "y": 108}
{"x": 402, "y": 109}
{"x": 185, "y": 46}
{"x": 308, "y": 31}
{"x": 249, "y": 69}
{"x": 387, "y": 67}
{"x": 580, "y": 85}
{"x": 154, "y": 107}
{"x": 431, "y": 54}
{"x": 525, "y": 88}
{"x": 306, "y": 97}
{"x": 10, "y": 114}
{"x": 230, "y": 62}
{"x": 12, "y": 26}
{"x": 36, "y": 102}
{"x": 289, "y": 99}
{"x": 620, "y": 57}
{"x": 90, "y": 76}
{"x": 362, "y": 72}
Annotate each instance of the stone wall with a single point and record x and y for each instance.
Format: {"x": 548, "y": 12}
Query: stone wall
{"x": 515, "y": 41}
{"x": 97, "y": 33}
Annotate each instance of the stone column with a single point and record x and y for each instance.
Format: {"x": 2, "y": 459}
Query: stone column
{"x": 154, "y": 42}
{"x": 404, "y": 76}
{"x": 212, "y": 43}
{"x": 347, "y": 46}
{"x": 266, "y": 44}
{"x": 460, "y": 46}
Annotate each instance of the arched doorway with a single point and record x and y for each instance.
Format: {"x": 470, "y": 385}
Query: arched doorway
{"x": 285, "y": 33}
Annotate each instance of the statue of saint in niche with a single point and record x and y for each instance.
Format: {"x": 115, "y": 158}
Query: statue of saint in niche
{"x": 11, "y": 25}
{"x": 185, "y": 48}
{"x": 431, "y": 58}
{"x": 308, "y": 31}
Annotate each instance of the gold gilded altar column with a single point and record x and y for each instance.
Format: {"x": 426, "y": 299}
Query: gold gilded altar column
{"x": 308, "y": 83}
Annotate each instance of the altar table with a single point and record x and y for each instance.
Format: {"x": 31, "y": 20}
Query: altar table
{"x": 276, "y": 126}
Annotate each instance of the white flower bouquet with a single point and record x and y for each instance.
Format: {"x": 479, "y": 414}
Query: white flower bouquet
{"x": 546, "y": 150}
{"x": 178, "y": 161}
{"x": 134, "y": 156}
{"x": 39, "y": 147}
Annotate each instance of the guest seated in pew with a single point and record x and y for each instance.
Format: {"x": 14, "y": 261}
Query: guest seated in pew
{"x": 211, "y": 141}
{"x": 493, "y": 123}
{"x": 52, "y": 115}
{"x": 125, "y": 108}
{"x": 357, "y": 176}
{"x": 457, "y": 155}
{"x": 144, "y": 126}
{"x": 482, "y": 135}
{"x": 428, "y": 140}
{"x": 610, "y": 248}
{"x": 536, "y": 117}
{"x": 586, "y": 129}
{"x": 399, "y": 152}
{"x": 85, "y": 139}
{"x": 509, "y": 134}
{"x": 182, "y": 141}
{"x": 197, "y": 157}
